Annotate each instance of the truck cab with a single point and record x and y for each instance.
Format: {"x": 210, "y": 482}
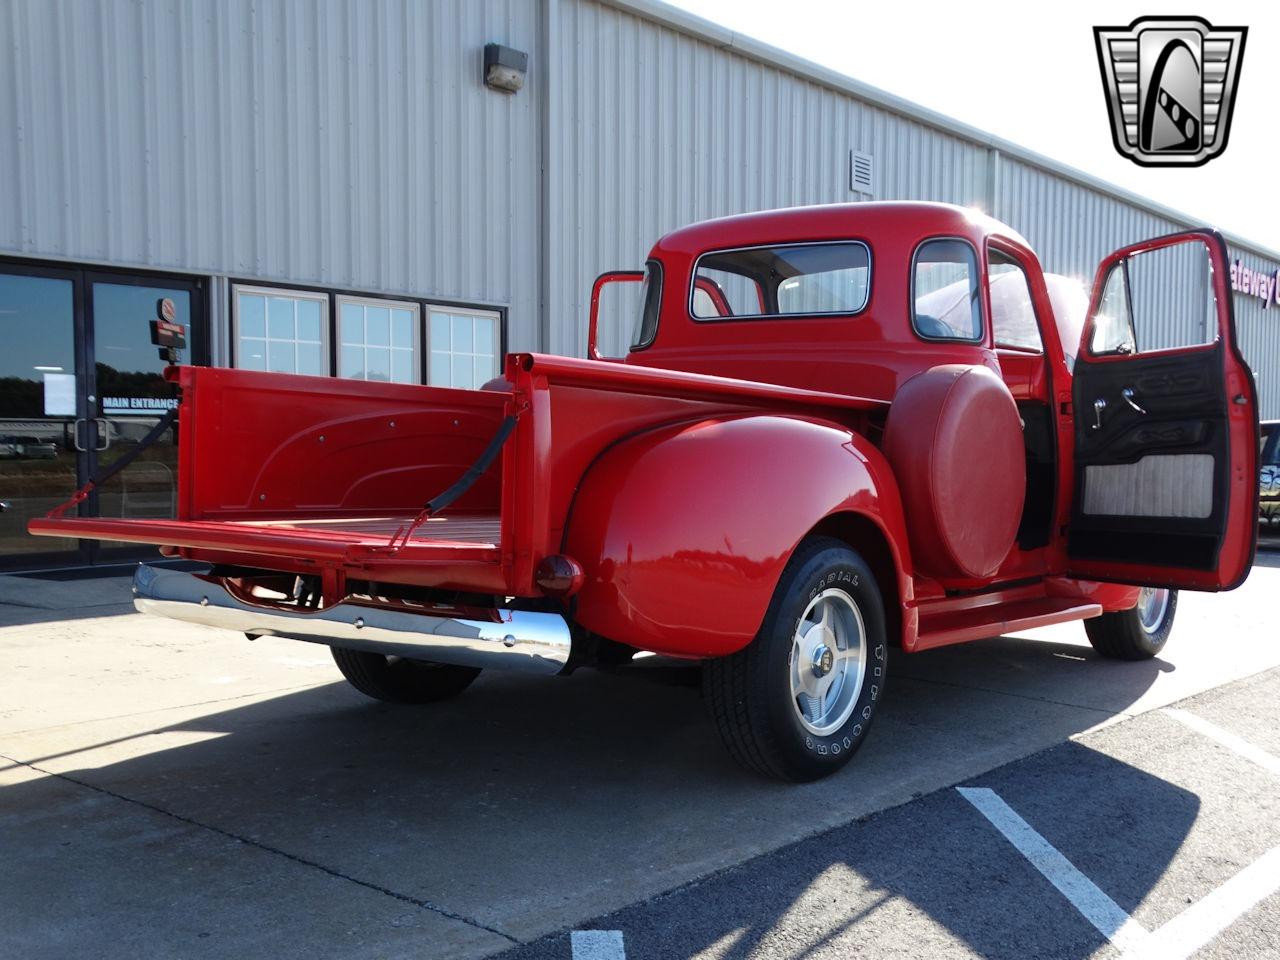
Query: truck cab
{"x": 831, "y": 431}
{"x": 862, "y": 298}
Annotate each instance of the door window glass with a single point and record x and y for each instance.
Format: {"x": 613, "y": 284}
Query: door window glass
{"x": 944, "y": 290}
{"x": 1159, "y": 299}
{"x": 378, "y": 340}
{"x": 284, "y": 331}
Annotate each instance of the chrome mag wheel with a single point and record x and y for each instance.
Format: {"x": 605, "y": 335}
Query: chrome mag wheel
{"x": 828, "y": 662}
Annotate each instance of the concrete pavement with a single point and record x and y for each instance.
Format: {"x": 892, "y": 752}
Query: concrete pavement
{"x": 212, "y": 795}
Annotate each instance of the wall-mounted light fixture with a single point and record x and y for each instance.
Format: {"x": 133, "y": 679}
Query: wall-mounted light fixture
{"x": 504, "y": 67}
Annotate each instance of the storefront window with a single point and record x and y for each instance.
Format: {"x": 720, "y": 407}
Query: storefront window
{"x": 378, "y": 340}
{"x": 464, "y": 346}
{"x": 284, "y": 331}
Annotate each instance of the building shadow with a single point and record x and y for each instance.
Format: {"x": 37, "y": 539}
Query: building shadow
{"x": 934, "y": 870}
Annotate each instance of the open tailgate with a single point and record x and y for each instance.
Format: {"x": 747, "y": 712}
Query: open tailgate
{"x": 301, "y": 473}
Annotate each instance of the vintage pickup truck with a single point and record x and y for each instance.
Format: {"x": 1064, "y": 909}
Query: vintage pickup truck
{"x": 838, "y": 430}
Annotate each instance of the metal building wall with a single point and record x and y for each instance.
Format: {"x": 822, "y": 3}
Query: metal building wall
{"x": 341, "y": 143}
{"x": 657, "y": 120}
{"x": 651, "y": 129}
{"x": 350, "y": 143}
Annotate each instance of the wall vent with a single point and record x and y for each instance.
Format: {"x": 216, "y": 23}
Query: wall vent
{"x": 862, "y": 172}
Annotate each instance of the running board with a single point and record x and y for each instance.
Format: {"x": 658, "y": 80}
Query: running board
{"x": 957, "y": 626}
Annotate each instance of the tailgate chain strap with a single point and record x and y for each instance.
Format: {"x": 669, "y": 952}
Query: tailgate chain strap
{"x": 102, "y": 476}
{"x": 400, "y": 538}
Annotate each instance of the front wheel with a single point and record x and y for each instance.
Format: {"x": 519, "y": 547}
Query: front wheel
{"x": 798, "y": 701}
{"x": 1136, "y": 634}
{"x": 400, "y": 680}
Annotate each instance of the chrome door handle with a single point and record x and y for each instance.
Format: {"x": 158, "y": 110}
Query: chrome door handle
{"x": 1127, "y": 393}
{"x": 104, "y": 435}
{"x": 1098, "y": 406}
{"x": 75, "y": 435}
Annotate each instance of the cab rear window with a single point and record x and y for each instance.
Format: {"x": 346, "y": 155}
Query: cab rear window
{"x": 789, "y": 280}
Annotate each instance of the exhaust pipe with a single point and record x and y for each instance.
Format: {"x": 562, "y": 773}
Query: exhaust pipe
{"x": 521, "y": 640}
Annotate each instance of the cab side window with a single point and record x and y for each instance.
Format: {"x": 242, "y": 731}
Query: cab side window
{"x": 944, "y": 291}
{"x": 1013, "y": 317}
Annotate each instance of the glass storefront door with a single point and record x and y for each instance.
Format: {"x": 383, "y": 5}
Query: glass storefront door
{"x": 130, "y": 396}
{"x": 79, "y": 388}
{"x": 42, "y": 409}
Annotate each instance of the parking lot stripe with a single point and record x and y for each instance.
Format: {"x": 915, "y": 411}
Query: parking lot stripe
{"x": 1227, "y": 739}
{"x": 1190, "y": 930}
{"x": 1098, "y": 908}
{"x": 597, "y": 945}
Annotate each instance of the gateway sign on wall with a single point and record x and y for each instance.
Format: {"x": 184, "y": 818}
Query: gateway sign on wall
{"x": 1256, "y": 283}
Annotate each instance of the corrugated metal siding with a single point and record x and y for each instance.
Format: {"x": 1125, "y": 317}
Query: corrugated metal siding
{"x": 337, "y": 143}
{"x": 653, "y": 129}
{"x": 351, "y": 144}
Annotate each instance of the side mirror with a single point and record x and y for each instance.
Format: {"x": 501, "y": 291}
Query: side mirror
{"x": 597, "y": 288}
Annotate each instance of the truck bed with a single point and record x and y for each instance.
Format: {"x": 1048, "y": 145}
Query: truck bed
{"x": 313, "y": 474}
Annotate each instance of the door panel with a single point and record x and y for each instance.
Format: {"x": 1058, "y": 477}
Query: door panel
{"x": 1165, "y": 438}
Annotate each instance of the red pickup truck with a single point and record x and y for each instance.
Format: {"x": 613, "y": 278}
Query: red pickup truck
{"x": 837, "y": 430}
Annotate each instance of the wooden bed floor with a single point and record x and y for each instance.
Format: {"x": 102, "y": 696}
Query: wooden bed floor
{"x": 468, "y": 528}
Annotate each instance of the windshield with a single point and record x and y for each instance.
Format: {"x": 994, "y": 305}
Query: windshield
{"x": 1070, "y": 302}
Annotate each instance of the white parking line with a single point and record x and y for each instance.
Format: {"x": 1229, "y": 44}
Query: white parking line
{"x": 1206, "y": 918}
{"x": 1098, "y": 908}
{"x": 1184, "y": 934}
{"x": 1227, "y": 739}
{"x": 597, "y": 945}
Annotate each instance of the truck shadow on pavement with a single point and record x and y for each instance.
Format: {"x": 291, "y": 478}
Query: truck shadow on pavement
{"x": 526, "y": 806}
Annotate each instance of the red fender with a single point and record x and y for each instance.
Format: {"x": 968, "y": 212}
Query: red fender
{"x": 684, "y": 531}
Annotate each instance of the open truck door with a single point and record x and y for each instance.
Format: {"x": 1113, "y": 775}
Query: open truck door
{"x": 1166, "y": 423}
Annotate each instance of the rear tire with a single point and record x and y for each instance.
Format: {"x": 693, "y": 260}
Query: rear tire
{"x": 399, "y": 680}
{"x": 1137, "y": 634}
{"x": 797, "y": 702}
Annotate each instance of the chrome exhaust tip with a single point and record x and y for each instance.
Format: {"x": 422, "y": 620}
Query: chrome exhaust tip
{"x": 521, "y": 640}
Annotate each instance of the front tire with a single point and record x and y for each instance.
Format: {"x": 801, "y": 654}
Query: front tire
{"x": 1137, "y": 634}
{"x": 797, "y": 702}
{"x": 400, "y": 680}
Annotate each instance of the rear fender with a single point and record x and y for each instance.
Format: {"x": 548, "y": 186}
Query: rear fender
{"x": 684, "y": 531}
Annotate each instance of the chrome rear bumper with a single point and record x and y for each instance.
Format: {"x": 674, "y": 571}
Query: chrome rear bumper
{"x": 525, "y": 641}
